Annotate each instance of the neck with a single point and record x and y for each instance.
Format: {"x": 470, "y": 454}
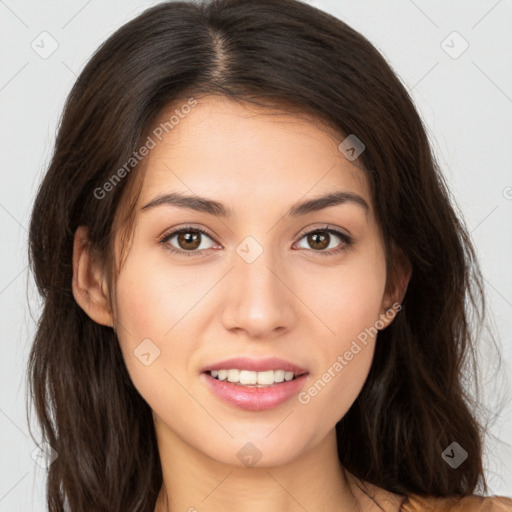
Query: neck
{"x": 194, "y": 482}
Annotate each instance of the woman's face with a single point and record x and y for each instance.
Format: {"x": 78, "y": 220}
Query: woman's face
{"x": 258, "y": 285}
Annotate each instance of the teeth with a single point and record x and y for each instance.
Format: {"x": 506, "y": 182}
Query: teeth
{"x": 266, "y": 378}
{"x": 233, "y": 375}
{"x": 279, "y": 375}
{"x": 250, "y": 378}
{"x": 246, "y": 377}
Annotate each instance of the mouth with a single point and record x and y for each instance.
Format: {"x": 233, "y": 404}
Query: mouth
{"x": 254, "y": 391}
{"x": 254, "y": 379}
{"x": 255, "y": 384}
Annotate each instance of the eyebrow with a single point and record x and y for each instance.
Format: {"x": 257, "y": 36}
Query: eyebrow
{"x": 205, "y": 205}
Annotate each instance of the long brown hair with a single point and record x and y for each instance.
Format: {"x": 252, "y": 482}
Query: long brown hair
{"x": 280, "y": 53}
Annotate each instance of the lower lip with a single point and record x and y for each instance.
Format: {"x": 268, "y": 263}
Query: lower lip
{"x": 255, "y": 399}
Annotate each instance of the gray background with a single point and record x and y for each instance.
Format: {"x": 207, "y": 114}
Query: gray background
{"x": 464, "y": 98}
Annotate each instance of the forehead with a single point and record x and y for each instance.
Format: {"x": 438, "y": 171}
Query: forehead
{"x": 246, "y": 153}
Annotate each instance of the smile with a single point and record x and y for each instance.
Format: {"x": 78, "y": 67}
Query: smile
{"x": 252, "y": 378}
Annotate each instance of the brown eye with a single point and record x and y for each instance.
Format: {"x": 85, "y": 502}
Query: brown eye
{"x": 318, "y": 240}
{"x": 189, "y": 241}
{"x": 324, "y": 241}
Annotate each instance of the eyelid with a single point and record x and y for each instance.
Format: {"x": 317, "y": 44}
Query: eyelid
{"x": 188, "y": 227}
{"x": 347, "y": 240}
{"x": 323, "y": 227}
{"x": 168, "y": 234}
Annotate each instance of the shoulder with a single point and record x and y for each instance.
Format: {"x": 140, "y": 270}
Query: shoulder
{"x": 473, "y": 503}
{"x": 376, "y": 499}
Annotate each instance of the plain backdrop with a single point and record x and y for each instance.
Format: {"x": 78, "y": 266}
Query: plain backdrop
{"x": 454, "y": 57}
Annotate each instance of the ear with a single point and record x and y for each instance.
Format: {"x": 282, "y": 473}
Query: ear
{"x": 396, "y": 287}
{"x": 89, "y": 283}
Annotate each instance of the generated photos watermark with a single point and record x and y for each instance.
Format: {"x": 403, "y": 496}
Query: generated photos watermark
{"x": 164, "y": 127}
{"x": 343, "y": 360}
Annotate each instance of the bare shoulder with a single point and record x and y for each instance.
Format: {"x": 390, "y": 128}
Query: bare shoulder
{"x": 473, "y": 503}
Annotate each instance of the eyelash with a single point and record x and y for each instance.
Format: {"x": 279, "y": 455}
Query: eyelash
{"x": 346, "y": 240}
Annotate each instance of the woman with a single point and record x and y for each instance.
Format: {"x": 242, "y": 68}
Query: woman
{"x": 256, "y": 291}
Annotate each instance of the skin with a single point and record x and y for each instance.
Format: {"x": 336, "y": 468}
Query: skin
{"x": 292, "y": 302}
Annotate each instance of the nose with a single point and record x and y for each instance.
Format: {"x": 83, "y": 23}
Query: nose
{"x": 260, "y": 299}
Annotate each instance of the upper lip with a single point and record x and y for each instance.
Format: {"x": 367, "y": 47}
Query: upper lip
{"x": 256, "y": 365}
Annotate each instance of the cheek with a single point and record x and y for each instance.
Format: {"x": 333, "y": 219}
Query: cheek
{"x": 345, "y": 365}
{"x": 152, "y": 295}
{"x": 149, "y": 307}
{"x": 349, "y": 305}
{"x": 348, "y": 298}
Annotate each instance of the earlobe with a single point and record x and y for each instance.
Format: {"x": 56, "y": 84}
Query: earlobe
{"x": 89, "y": 288}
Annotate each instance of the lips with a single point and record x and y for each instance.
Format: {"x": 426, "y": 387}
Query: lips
{"x": 256, "y": 365}
{"x": 257, "y": 397}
